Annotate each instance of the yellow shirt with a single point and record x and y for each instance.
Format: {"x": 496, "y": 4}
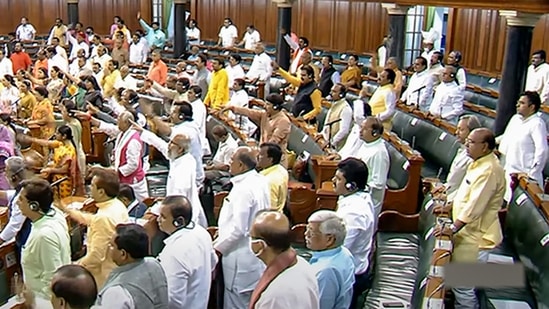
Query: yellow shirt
{"x": 477, "y": 202}
{"x": 108, "y": 82}
{"x": 218, "y": 91}
{"x": 277, "y": 176}
{"x": 101, "y": 227}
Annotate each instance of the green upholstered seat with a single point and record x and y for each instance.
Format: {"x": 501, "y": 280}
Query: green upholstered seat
{"x": 525, "y": 229}
{"x": 398, "y": 175}
{"x": 401, "y": 263}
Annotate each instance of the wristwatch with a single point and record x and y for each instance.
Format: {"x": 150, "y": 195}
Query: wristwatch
{"x": 453, "y": 228}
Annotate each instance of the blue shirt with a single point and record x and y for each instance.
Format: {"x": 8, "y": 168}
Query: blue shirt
{"x": 335, "y": 272}
{"x": 153, "y": 37}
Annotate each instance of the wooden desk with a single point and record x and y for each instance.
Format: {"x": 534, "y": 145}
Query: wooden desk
{"x": 93, "y": 143}
{"x": 404, "y": 200}
{"x": 324, "y": 169}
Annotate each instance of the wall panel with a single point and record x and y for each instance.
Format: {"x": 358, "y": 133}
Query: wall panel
{"x": 352, "y": 25}
{"x": 540, "y": 38}
{"x": 480, "y": 35}
{"x": 97, "y": 13}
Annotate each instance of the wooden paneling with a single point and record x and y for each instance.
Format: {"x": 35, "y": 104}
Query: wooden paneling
{"x": 534, "y": 6}
{"x": 100, "y": 13}
{"x": 348, "y": 25}
{"x": 41, "y": 13}
{"x": 540, "y": 39}
{"x": 480, "y": 35}
{"x": 97, "y": 13}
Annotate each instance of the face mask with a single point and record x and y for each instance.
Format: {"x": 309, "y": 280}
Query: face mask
{"x": 253, "y": 241}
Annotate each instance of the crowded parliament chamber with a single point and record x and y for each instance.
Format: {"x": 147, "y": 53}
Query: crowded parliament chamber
{"x": 274, "y": 154}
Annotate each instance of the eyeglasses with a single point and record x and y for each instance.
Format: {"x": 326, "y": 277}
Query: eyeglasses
{"x": 309, "y": 232}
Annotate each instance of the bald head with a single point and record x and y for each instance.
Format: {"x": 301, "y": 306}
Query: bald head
{"x": 74, "y": 284}
{"x": 274, "y": 228}
{"x": 246, "y": 157}
{"x": 487, "y": 136}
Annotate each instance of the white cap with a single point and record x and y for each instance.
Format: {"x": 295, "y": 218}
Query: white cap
{"x": 429, "y": 37}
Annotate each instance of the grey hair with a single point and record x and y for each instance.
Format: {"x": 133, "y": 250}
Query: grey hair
{"x": 126, "y": 116}
{"x": 472, "y": 122}
{"x": 15, "y": 165}
{"x": 184, "y": 142}
{"x": 330, "y": 223}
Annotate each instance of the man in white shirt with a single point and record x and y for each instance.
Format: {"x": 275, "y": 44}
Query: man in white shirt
{"x": 249, "y": 195}
{"x": 78, "y": 44}
{"x": 188, "y": 258}
{"x": 228, "y": 34}
{"x": 461, "y": 162}
{"x": 102, "y": 57}
{"x": 448, "y": 101}
{"x": 182, "y": 173}
{"x": 537, "y": 78}
{"x": 454, "y": 59}
{"x": 25, "y": 31}
{"x": 234, "y": 69}
{"x": 182, "y": 122}
{"x": 200, "y": 113}
{"x": 261, "y": 69}
{"x": 55, "y": 42}
{"x": 56, "y": 60}
{"x": 355, "y": 206}
{"x": 138, "y": 50}
{"x": 372, "y": 150}
{"x": 337, "y": 124}
{"x": 420, "y": 87}
{"x": 251, "y": 38}
{"x": 6, "y": 66}
{"x": 524, "y": 142}
{"x": 138, "y": 281}
{"x": 240, "y": 98}
{"x": 18, "y": 226}
{"x": 289, "y": 281}
{"x": 429, "y": 39}
{"x": 126, "y": 81}
{"x": 193, "y": 33}
{"x": 219, "y": 166}
{"x": 80, "y": 67}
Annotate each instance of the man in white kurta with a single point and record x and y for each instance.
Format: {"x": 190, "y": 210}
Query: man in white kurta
{"x": 228, "y": 34}
{"x": 188, "y": 258}
{"x": 371, "y": 149}
{"x": 537, "y": 78}
{"x": 6, "y": 66}
{"x": 448, "y": 101}
{"x": 240, "y": 98}
{"x": 182, "y": 173}
{"x": 261, "y": 69}
{"x": 420, "y": 87}
{"x": 251, "y": 38}
{"x": 249, "y": 195}
{"x": 341, "y": 112}
{"x": 524, "y": 142}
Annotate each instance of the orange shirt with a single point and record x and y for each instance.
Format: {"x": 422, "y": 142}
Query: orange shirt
{"x": 20, "y": 60}
{"x": 39, "y": 64}
{"x": 158, "y": 72}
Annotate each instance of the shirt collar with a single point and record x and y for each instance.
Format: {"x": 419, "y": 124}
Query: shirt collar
{"x": 374, "y": 143}
{"x": 482, "y": 160}
{"x": 175, "y": 236}
{"x": 344, "y": 199}
{"x": 270, "y": 169}
{"x": 242, "y": 177}
{"x": 327, "y": 253}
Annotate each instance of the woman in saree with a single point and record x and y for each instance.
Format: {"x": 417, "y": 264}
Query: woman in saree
{"x": 28, "y": 101}
{"x": 9, "y": 96}
{"x": 352, "y": 76}
{"x": 68, "y": 110}
{"x": 63, "y": 163}
{"x": 42, "y": 115}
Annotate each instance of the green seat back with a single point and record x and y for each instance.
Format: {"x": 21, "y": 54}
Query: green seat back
{"x": 398, "y": 175}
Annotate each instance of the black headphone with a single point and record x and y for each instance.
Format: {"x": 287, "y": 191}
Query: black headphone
{"x": 452, "y": 75}
{"x": 351, "y": 186}
{"x": 34, "y": 206}
{"x": 457, "y": 55}
{"x": 377, "y": 131}
{"x": 178, "y": 222}
{"x": 183, "y": 116}
{"x": 277, "y": 107}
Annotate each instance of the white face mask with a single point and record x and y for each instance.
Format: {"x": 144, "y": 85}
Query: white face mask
{"x": 253, "y": 241}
